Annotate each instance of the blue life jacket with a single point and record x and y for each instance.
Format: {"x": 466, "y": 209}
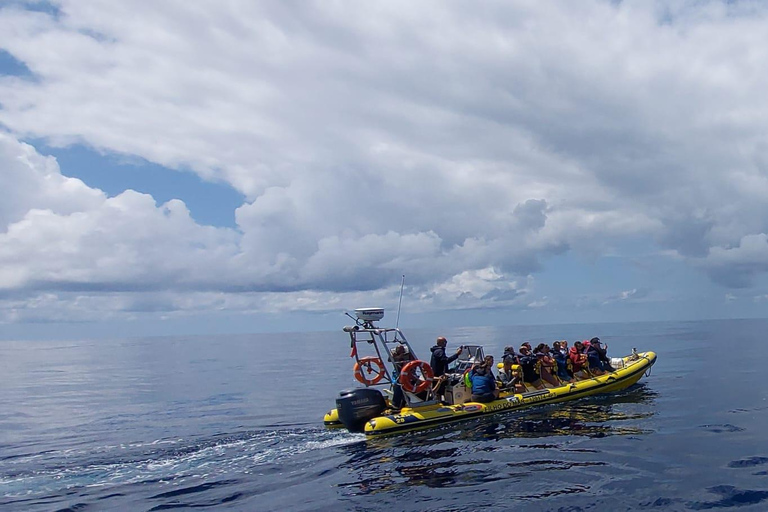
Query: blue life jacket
{"x": 482, "y": 384}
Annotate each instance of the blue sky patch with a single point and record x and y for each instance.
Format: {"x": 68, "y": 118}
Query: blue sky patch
{"x": 11, "y": 66}
{"x": 209, "y": 203}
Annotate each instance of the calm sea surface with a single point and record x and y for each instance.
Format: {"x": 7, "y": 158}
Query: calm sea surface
{"x": 235, "y": 423}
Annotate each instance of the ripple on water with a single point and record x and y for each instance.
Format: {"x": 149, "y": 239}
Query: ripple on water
{"x": 730, "y": 496}
{"x": 748, "y": 463}
{"x": 725, "y": 428}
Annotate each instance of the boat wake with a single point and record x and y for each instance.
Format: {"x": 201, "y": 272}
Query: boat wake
{"x": 174, "y": 464}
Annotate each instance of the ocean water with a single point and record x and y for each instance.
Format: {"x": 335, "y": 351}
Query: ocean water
{"x": 235, "y": 423}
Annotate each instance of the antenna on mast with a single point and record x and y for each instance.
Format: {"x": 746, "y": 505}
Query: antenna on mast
{"x": 400, "y": 303}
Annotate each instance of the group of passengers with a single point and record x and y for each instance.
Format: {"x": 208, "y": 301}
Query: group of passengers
{"x": 528, "y": 367}
{"x": 536, "y": 366}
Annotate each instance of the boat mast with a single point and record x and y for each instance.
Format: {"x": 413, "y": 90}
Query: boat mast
{"x": 400, "y": 303}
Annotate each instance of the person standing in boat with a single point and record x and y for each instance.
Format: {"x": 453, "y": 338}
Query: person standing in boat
{"x": 439, "y": 363}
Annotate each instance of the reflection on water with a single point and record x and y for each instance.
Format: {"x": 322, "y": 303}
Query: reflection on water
{"x": 485, "y": 450}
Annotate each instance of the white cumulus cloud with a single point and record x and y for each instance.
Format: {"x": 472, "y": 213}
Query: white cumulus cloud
{"x": 459, "y": 144}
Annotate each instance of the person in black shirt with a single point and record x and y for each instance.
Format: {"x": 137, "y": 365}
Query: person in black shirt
{"x": 439, "y": 363}
{"x": 596, "y": 352}
{"x": 528, "y": 363}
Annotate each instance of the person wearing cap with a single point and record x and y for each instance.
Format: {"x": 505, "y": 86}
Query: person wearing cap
{"x": 598, "y": 356}
{"x": 509, "y": 378}
{"x": 546, "y": 364}
{"x": 509, "y": 352}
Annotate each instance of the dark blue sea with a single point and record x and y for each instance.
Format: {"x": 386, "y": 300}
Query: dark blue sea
{"x": 235, "y": 423}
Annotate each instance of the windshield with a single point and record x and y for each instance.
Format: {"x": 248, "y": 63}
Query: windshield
{"x": 470, "y": 354}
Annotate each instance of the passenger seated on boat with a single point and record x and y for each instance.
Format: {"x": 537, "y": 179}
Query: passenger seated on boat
{"x": 546, "y": 364}
{"x": 578, "y": 361}
{"x": 483, "y": 382}
{"x": 510, "y": 378}
{"x": 529, "y": 362}
{"x": 400, "y": 357}
{"x": 600, "y": 353}
{"x": 566, "y": 352}
{"x": 561, "y": 358}
{"x": 509, "y": 351}
{"x": 593, "y": 358}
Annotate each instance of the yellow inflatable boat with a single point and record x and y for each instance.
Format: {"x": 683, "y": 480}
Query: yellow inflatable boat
{"x": 370, "y": 411}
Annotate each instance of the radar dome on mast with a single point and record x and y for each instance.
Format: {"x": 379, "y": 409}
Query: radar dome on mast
{"x": 370, "y": 314}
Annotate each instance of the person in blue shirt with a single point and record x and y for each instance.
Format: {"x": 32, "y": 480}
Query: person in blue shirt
{"x": 483, "y": 382}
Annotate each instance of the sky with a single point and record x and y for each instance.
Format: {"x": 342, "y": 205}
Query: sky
{"x": 169, "y": 167}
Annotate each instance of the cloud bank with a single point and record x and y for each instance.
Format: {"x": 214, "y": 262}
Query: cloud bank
{"x": 462, "y": 145}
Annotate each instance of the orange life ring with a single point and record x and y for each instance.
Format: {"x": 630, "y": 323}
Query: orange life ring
{"x": 411, "y": 382}
{"x": 366, "y": 363}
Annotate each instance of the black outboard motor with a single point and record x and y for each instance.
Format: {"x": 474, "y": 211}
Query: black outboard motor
{"x": 357, "y": 406}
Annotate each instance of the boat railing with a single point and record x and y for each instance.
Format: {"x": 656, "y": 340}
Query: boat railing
{"x": 370, "y": 341}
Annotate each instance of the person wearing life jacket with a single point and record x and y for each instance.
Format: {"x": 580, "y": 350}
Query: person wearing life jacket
{"x": 509, "y": 352}
{"x": 546, "y": 364}
{"x": 561, "y": 358}
{"x": 578, "y": 360}
{"x": 483, "y": 382}
{"x": 528, "y": 363}
{"x": 510, "y": 379}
